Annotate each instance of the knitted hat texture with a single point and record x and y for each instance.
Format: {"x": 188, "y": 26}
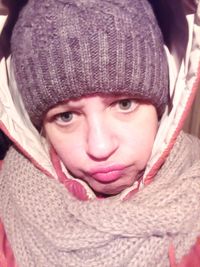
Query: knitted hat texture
{"x": 63, "y": 49}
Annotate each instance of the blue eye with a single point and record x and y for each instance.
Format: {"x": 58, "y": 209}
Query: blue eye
{"x": 125, "y": 104}
{"x": 65, "y": 116}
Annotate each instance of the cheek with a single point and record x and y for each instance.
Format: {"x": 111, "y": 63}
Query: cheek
{"x": 71, "y": 154}
{"x": 139, "y": 141}
{"x": 68, "y": 149}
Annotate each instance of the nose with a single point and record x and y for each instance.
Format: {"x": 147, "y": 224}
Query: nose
{"x": 102, "y": 141}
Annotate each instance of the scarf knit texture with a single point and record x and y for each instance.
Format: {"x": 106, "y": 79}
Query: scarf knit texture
{"x": 47, "y": 226}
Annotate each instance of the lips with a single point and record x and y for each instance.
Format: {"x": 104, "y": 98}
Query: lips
{"x": 107, "y": 174}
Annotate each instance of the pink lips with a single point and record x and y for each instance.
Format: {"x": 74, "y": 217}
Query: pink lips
{"x": 107, "y": 174}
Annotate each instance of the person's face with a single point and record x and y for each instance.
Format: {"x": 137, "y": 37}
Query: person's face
{"x": 103, "y": 140}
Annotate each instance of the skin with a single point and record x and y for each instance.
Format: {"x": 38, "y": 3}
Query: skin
{"x": 102, "y": 131}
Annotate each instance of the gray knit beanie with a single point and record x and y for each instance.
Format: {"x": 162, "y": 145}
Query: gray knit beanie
{"x": 65, "y": 49}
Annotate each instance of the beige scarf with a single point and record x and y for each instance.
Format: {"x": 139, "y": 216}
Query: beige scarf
{"x": 46, "y": 226}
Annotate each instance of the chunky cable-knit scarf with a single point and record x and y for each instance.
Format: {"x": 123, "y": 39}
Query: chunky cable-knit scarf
{"x": 46, "y": 226}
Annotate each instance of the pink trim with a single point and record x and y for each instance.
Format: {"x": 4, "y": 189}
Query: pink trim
{"x": 192, "y": 259}
{"x": 157, "y": 165}
{"x": 172, "y": 258}
{"x": 26, "y": 154}
{"x": 73, "y": 186}
{"x": 6, "y": 255}
{"x": 132, "y": 192}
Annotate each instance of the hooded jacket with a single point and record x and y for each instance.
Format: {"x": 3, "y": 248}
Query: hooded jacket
{"x": 182, "y": 38}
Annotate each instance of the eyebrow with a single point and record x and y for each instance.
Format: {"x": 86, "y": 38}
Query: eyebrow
{"x": 78, "y": 102}
{"x": 73, "y": 104}
{"x": 62, "y": 107}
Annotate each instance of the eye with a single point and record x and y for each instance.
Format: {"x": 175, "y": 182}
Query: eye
{"x": 64, "y": 117}
{"x": 126, "y": 104}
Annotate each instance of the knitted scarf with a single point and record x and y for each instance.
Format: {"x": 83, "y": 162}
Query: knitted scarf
{"x": 46, "y": 226}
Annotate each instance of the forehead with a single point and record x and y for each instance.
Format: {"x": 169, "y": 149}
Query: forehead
{"x": 96, "y": 98}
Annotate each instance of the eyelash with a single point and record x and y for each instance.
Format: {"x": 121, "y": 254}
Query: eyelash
{"x": 133, "y": 105}
{"x": 59, "y": 117}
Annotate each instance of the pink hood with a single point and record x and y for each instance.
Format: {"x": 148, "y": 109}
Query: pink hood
{"x": 180, "y": 23}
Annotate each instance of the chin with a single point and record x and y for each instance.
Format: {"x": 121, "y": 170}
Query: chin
{"x": 110, "y": 191}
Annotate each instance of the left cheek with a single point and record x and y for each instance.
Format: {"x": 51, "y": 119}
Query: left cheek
{"x": 71, "y": 155}
{"x": 139, "y": 146}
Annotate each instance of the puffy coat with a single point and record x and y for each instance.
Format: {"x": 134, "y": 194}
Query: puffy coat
{"x": 180, "y": 24}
